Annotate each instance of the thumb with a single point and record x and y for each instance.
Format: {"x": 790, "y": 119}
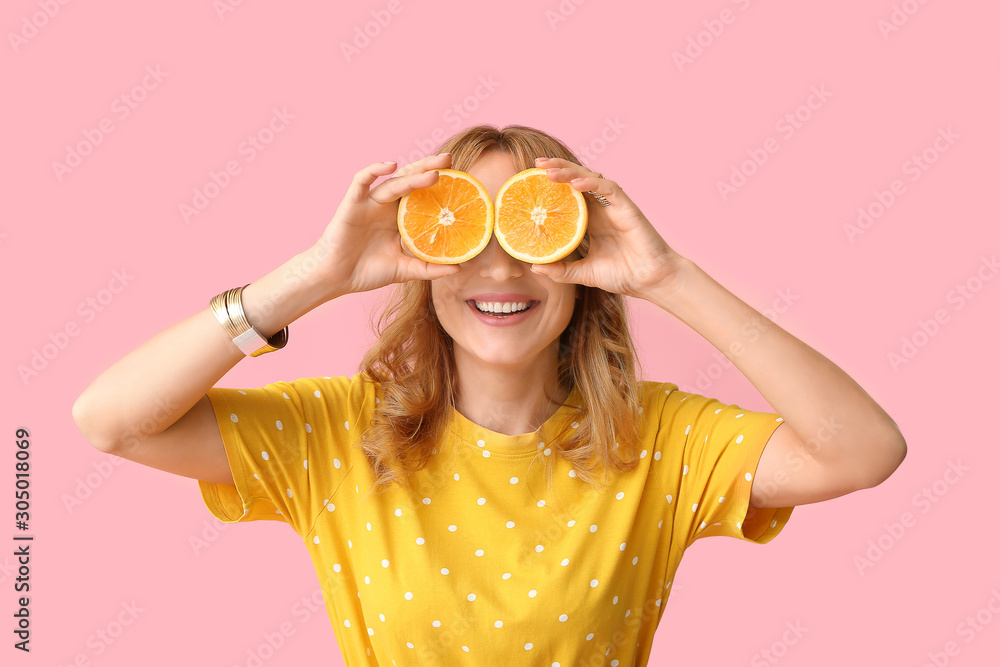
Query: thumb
{"x": 560, "y": 272}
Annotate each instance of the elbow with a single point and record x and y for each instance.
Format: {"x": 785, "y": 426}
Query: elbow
{"x": 84, "y": 420}
{"x": 891, "y": 454}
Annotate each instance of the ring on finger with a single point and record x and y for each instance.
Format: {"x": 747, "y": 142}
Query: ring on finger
{"x": 601, "y": 199}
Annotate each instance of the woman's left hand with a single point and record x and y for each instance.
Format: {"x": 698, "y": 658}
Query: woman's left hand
{"x": 627, "y": 255}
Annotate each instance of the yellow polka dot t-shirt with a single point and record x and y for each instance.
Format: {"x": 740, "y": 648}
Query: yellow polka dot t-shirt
{"x": 480, "y": 565}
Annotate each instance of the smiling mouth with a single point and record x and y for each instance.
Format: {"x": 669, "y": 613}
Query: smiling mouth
{"x": 502, "y": 315}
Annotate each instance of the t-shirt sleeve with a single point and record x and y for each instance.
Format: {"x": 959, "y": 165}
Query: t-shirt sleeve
{"x": 288, "y": 445}
{"x": 713, "y": 450}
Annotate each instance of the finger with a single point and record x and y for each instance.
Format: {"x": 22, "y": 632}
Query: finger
{"x": 394, "y": 188}
{"x": 440, "y": 161}
{"x": 363, "y": 179}
{"x": 560, "y": 272}
{"x": 422, "y": 270}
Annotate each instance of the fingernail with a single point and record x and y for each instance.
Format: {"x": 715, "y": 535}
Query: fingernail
{"x": 443, "y": 154}
{"x": 388, "y": 162}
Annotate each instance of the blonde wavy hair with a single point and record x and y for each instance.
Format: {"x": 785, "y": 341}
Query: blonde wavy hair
{"x": 414, "y": 362}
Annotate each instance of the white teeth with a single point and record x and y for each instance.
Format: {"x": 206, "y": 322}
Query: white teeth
{"x": 501, "y": 307}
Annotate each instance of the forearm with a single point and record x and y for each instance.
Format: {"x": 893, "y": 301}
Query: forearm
{"x": 818, "y": 401}
{"x": 155, "y": 384}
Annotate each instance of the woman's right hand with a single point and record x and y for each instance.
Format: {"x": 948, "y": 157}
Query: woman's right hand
{"x": 361, "y": 248}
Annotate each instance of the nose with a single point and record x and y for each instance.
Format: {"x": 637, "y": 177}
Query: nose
{"x": 494, "y": 262}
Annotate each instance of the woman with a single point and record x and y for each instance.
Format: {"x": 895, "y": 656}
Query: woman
{"x": 491, "y": 488}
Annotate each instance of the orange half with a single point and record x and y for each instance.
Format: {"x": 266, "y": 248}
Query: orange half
{"x": 448, "y": 222}
{"x": 538, "y": 220}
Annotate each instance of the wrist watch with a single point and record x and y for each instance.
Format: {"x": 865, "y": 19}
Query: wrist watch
{"x": 228, "y": 310}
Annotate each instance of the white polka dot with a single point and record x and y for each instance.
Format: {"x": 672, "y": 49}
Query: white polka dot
{"x": 385, "y": 562}
{"x": 571, "y": 523}
{"x": 347, "y": 623}
{"x": 563, "y": 618}
{"x": 436, "y": 624}
{"x": 264, "y": 456}
{"x": 575, "y": 425}
{"x": 738, "y": 416}
{"x": 506, "y": 575}
{"x": 739, "y": 524}
{"x": 279, "y": 425}
{"x": 642, "y": 454}
{"x": 565, "y": 562}
{"x": 694, "y": 508}
{"x": 657, "y": 455}
{"x": 285, "y": 395}
{"x": 347, "y": 425}
{"x": 688, "y": 429}
{"x": 739, "y": 438}
{"x": 572, "y": 473}
{"x": 590, "y": 636}
{"x": 548, "y": 450}
{"x": 368, "y": 525}
{"x": 621, "y": 547}
{"x": 635, "y": 560}
{"x": 593, "y": 583}
{"x": 481, "y": 443}
{"x": 409, "y": 645}
{"x": 479, "y": 552}
{"x": 427, "y": 501}
{"x": 774, "y": 523}
{"x": 660, "y": 524}
{"x": 408, "y": 595}
{"x": 670, "y": 499}
{"x": 336, "y": 463}
{"x": 685, "y": 470}
{"x": 718, "y": 411}
{"x": 255, "y": 476}
{"x": 309, "y": 429}
{"x": 486, "y": 453}
{"x": 593, "y": 528}
{"x": 316, "y": 393}
{"x": 527, "y": 647}
{"x": 444, "y": 570}
{"x": 420, "y": 540}
{"x": 510, "y": 524}
{"x": 702, "y": 526}
{"x": 330, "y": 507}
{"x": 453, "y": 528}
{"x": 513, "y": 480}
{"x": 541, "y": 503}
{"x": 336, "y": 567}
{"x": 539, "y": 548}
{"x": 316, "y": 539}
{"x": 242, "y": 392}
{"x": 398, "y": 512}
{"x": 234, "y": 417}
{"x": 472, "y": 596}
{"x": 721, "y": 498}
{"x": 748, "y": 476}
{"x": 349, "y": 545}
{"x": 465, "y": 648}
{"x": 289, "y": 492}
{"x": 370, "y": 632}
{"x": 368, "y": 579}
{"x": 481, "y": 501}
{"x": 381, "y": 617}
{"x": 498, "y": 624}
{"x": 614, "y": 600}
{"x": 779, "y": 419}
{"x": 456, "y": 476}
{"x": 619, "y": 495}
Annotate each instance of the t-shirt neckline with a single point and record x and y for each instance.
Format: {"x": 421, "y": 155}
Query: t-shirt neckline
{"x": 485, "y": 440}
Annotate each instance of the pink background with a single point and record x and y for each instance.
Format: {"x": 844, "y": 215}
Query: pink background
{"x": 604, "y": 79}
